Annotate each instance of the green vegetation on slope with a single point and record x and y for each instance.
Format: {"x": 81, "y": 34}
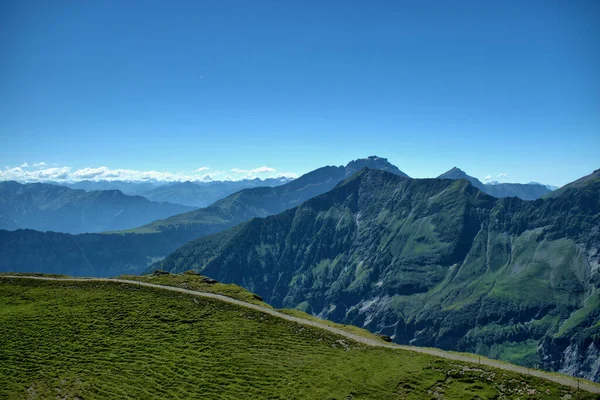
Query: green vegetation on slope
{"x": 192, "y": 281}
{"x": 95, "y": 340}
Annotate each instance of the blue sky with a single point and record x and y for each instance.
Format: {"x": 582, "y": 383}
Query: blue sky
{"x": 493, "y": 87}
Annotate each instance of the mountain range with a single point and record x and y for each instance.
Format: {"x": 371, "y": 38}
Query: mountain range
{"x": 133, "y": 250}
{"x": 44, "y": 207}
{"x": 524, "y": 191}
{"x": 202, "y": 194}
{"x": 127, "y": 187}
{"x": 430, "y": 262}
{"x": 190, "y": 193}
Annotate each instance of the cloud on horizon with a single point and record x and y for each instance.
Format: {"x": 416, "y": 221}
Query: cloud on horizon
{"x": 23, "y": 173}
{"x": 259, "y": 170}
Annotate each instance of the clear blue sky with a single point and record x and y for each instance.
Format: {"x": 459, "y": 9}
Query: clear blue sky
{"x": 490, "y": 86}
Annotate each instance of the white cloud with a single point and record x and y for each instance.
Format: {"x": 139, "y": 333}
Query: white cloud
{"x": 262, "y": 170}
{"x": 68, "y": 174}
{"x": 39, "y": 164}
{"x": 503, "y": 175}
{"x": 488, "y": 178}
{"x": 259, "y": 170}
{"x": 24, "y": 165}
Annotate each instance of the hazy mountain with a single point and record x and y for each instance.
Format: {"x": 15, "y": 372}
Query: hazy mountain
{"x": 127, "y": 187}
{"x": 48, "y": 207}
{"x": 431, "y": 262}
{"x": 202, "y": 194}
{"x": 134, "y": 250}
{"x": 527, "y": 191}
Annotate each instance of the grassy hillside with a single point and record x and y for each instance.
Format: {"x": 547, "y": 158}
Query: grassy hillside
{"x": 93, "y": 340}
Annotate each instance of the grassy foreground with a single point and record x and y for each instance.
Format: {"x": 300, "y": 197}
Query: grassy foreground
{"x": 92, "y": 340}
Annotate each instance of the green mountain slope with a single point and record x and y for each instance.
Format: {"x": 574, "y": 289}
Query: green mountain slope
{"x": 97, "y": 340}
{"x": 134, "y": 250}
{"x": 587, "y": 180}
{"x": 430, "y": 262}
{"x": 56, "y": 208}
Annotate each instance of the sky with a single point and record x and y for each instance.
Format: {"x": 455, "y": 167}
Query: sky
{"x": 505, "y": 90}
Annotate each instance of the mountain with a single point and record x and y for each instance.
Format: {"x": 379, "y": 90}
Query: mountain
{"x": 581, "y": 183}
{"x": 527, "y": 191}
{"x": 90, "y": 340}
{"x": 457, "y": 173}
{"x": 430, "y": 262}
{"x": 48, "y": 207}
{"x": 264, "y": 201}
{"x": 202, "y": 194}
{"x": 549, "y": 187}
{"x": 127, "y": 187}
{"x": 134, "y": 250}
{"x": 372, "y": 162}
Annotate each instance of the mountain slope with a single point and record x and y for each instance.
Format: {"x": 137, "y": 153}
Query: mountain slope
{"x": 107, "y": 340}
{"x": 202, "y": 194}
{"x": 528, "y": 191}
{"x": 430, "y": 262}
{"x": 134, "y": 250}
{"x": 583, "y": 182}
{"x": 264, "y": 201}
{"x": 457, "y": 173}
{"x": 45, "y": 207}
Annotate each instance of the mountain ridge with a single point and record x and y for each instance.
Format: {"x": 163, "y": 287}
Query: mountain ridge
{"x": 524, "y": 191}
{"x": 47, "y": 207}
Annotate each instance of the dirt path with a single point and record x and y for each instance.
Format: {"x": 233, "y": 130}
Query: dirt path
{"x": 562, "y": 379}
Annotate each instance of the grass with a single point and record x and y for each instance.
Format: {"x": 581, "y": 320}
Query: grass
{"x": 348, "y": 328}
{"x": 192, "y": 281}
{"x": 96, "y": 340}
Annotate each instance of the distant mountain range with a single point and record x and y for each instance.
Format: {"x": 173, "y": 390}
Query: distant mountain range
{"x": 43, "y": 207}
{"x": 430, "y": 262}
{"x": 194, "y": 194}
{"x": 202, "y": 194}
{"x": 524, "y": 191}
{"x": 134, "y": 250}
{"x": 127, "y": 187}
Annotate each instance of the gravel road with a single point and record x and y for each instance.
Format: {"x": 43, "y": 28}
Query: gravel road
{"x": 562, "y": 379}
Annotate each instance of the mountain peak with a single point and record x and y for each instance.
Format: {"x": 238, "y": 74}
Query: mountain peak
{"x": 373, "y": 162}
{"x": 457, "y": 173}
{"x": 454, "y": 173}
